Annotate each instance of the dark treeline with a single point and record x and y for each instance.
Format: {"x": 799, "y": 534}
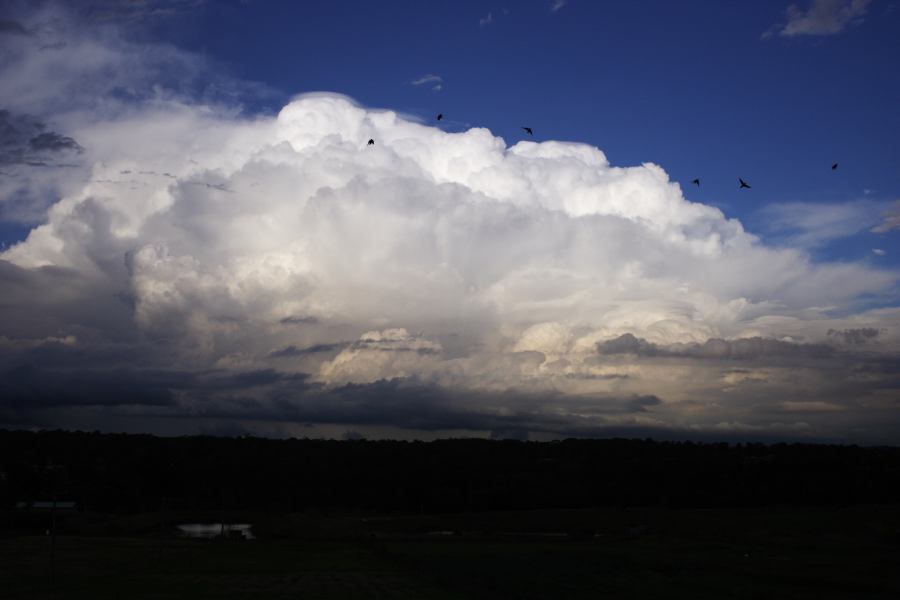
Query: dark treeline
{"x": 117, "y": 473}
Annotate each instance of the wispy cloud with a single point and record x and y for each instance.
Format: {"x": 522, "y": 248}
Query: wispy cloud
{"x": 823, "y": 17}
{"x": 809, "y": 224}
{"x": 486, "y": 20}
{"x": 890, "y": 220}
{"x": 429, "y": 78}
{"x": 557, "y": 4}
{"x": 138, "y": 11}
{"x": 435, "y": 81}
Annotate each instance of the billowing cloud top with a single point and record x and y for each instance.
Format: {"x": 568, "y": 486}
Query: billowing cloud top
{"x": 278, "y": 273}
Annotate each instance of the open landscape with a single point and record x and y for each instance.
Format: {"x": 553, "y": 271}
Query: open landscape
{"x": 362, "y": 519}
{"x": 634, "y": 553}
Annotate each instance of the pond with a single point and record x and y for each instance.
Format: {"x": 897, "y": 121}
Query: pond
{"x": 212, "y": 530}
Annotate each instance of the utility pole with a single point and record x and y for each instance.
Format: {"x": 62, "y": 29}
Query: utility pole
{"x": 162, "y": 509}
{"x": 53, "y": 540}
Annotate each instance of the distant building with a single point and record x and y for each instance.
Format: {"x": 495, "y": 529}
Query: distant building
{"x": 47, "y": 505}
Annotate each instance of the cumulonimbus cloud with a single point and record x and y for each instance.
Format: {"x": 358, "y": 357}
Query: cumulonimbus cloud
{"x": 278, "y": 267}
{"x": 452, "y": 258}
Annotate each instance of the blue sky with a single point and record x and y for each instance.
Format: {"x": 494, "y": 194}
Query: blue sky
{"x": 194, "y": 241}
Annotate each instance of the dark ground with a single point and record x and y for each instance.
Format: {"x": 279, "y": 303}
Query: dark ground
{"x": 612, "y": 553}
{"x": 448, "y": 519}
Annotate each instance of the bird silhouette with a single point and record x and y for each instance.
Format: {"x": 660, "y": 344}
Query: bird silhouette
{"x": 440, "y": 116}
{"x": 528, "y": 130}
{"x": 696, "y": 182}
{"x": 744, "y": 184}
{"x": 371, "y": 143}
{"x": 834, "y": 167}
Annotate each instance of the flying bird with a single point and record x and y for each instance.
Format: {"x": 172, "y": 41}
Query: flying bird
{"x": 528, "y": 130}
{"x": 371, "y": 143}
{"x": 440, "y": 116}
{"x": 743, "y": 184}
{"x": 696, "y": 182}
{"x": 834, "y": 167}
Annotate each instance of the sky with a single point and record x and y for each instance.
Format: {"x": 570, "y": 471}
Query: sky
{"x": 195, "y": 236}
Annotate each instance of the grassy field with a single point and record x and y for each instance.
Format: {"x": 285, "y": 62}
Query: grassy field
{"x": 816, "y": 553}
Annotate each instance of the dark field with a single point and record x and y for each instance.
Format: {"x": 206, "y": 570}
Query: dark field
{"x": 615, "y": 553}
{"x": 448, "y": 519}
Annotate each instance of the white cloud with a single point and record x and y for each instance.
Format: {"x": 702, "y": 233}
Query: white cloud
{"x": 878, "y": 252}
{"x": 556, "y": 5}
{"x": 380, "y": 355}
{"x": 68, "y": 74}
{"x": 261, "y": 219}
{"x": 823, "y": 17}
{"x": 486, "y": 20}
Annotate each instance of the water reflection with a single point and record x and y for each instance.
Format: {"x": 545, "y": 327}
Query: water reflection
{"x": 212, "y": 530}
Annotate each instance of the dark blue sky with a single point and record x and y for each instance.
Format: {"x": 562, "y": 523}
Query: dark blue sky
{"x": 693, "y": 86}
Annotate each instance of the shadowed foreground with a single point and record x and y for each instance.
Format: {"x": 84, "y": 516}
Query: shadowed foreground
{"x": 449, "y": 519}
{"x": 652, "y": 553}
